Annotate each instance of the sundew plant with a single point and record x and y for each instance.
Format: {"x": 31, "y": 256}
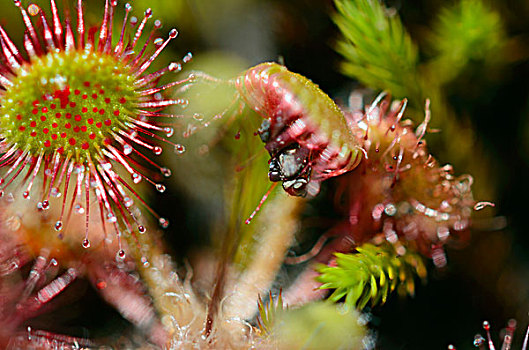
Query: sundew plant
{"x": 237, "y": 174}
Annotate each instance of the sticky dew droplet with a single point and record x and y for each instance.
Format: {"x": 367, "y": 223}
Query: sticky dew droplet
{"x": 188, "y": 57}
{"x": 33, "y": 9}
{"x": 111, "y": 218}
{"x": 174, "y": 67}
{"x": 78, "y": 208}
{"x": 55, "y": 192}
{"x": 165, "y": 172}
{"x": 58, "y": 226}
{"x": 164, "y": 223}
{"x": 168, "y": 131}
{"x": 86, "y": 243}
{"x": 179, "y": 148}
{"x": 136, "y": 178}
{"x": 121, "y": 254}
{"x": 390, "y": 209}
{"x": 128, "y": 202}
{"x": 479, "y": 340}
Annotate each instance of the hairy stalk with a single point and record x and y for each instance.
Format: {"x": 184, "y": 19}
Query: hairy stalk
{"x": 279, "y": 219}
{"x": 172, "y": 298}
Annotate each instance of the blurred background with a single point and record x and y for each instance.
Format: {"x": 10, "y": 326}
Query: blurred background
{"x": 488, "y": 277}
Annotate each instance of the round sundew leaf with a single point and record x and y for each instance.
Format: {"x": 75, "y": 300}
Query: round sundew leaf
{"x": 71, "y": 102}
{"x": 76, "y": 104}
